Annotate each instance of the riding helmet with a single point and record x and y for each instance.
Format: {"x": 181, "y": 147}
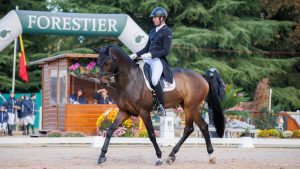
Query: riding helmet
{"x": 159, "y": 11}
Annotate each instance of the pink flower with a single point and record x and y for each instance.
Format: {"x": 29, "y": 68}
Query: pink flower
{"x": 91, "y": 65}
{"x": 76, "y": 66}
{"x": 119, "y": 132}
{"x": 71, "y": 68}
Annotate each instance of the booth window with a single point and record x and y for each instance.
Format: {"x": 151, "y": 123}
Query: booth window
{"x": 62, "y": 86}
{"x": 53, "y": 77}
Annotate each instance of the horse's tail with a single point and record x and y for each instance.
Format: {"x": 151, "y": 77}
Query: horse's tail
{"x": 215, "y": 104}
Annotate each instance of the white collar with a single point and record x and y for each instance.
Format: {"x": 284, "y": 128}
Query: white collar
{"x": 159, "y": 27}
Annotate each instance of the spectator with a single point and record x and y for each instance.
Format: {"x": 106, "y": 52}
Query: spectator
{"x": 11, "y": 105}
{"x": 32, "y": 112}
{"x": 26, "y": 120}
{"x": 78, "y": 98}
{"x": 19, "y": 104}
{"x": 102, "y": 97}
{"x": 3, "y": 120}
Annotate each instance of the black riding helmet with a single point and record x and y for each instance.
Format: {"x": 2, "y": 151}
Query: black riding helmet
{"x": 159, "y": 11}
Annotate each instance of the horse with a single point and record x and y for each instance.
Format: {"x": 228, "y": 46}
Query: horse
{"x": 124, "y": 81}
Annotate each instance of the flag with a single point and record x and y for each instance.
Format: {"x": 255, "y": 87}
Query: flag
{"x": 22, "y": 62}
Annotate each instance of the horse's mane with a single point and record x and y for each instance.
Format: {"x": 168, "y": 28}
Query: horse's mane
{"x": 118, "y": 51}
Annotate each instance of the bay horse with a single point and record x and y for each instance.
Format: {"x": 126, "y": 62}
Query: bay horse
{"x": 124, "y": 81}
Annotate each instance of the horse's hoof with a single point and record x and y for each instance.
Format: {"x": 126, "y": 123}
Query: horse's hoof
{"x": 212, "y": 160}
{"x": 101, "y": 160}
{"x": 159, "y": 162}
{"x": 170, "y": 160}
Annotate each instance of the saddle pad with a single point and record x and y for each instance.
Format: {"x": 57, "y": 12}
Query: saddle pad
{"x": 167, "y": 86}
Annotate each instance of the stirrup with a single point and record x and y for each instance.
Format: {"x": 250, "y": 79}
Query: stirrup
{"x": 161, "y": 111}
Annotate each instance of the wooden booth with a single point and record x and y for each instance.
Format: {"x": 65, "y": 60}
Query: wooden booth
{"x": 59, "y": 81}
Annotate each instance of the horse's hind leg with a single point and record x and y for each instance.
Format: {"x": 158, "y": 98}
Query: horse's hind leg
{"x": 148, "y": 124}
{"x": 121, "y": 117}
{"x": 204, "y": 129}
{"x": 188, "y": 130}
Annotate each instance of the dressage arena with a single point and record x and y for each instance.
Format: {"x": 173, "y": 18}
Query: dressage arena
{"x": 143, "y": 157}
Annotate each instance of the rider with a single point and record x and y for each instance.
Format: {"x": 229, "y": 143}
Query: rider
{"x": 155, "y": 53}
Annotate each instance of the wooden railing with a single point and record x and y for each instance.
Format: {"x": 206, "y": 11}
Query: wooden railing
{"x": 83, "y": 117}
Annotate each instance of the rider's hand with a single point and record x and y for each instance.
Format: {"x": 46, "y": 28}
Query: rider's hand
{"x": 133, "y": 56}
{"x": 146, "y": 56}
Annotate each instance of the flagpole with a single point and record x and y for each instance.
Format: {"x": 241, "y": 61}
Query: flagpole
{"x": 14, "y": 64}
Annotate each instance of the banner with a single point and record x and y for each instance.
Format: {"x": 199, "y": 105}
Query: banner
{"x": 120, "y": 26}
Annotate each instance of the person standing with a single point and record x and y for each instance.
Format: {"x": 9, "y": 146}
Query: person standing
{"x": 11, "y": 105}
{"x": 32, "y": 113}
{"x": 25, "y": 115}
{"x": 3, "y": 119}
{"x": 22, "y": 113}
{"x": 155, "y": 54}
{"x": 19, "y": 104}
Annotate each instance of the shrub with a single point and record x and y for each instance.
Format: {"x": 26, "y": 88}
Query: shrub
{"x": 287, "y": 134}
{"x": 265, "y": 121}
{"x": 143, "y": 133}
{"x": 263, "y": 133}
{"x": 274, "y": 133}
{"x": 55, "y": 134}
{"x": 296, "y": 133}
{"x": 73, "y": 134}
{"x": 129, "y": 128}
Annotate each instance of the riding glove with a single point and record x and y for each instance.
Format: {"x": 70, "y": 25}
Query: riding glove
{"x": 133, "y": 56}
{"x": 146, "y": 56}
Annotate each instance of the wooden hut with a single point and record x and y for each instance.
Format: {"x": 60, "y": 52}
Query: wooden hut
{"x": 57, "y": 85}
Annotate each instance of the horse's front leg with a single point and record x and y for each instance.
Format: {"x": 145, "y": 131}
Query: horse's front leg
{"x": 148, "y": 123}
{"x": 121, "y": 117}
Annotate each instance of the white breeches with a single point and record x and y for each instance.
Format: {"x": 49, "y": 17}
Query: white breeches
{"x": 156, "y": 68}
{"x": 11, "y": 118}
{"x": 27, "y": 120}
{"x": 3, "y": 126}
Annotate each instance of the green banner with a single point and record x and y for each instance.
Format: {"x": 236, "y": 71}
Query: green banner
{"x": 58, "y": 23}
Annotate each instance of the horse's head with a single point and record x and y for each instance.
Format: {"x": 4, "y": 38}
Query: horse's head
{"x": 108, "y": 65}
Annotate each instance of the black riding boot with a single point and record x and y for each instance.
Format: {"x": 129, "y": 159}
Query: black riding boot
{"x": 9, "y": 130}
{"x": 160, "y": 96}
{"x": 24, "y": 129}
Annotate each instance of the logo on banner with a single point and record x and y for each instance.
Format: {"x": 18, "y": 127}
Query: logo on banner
{"x": 5, "y": 33}
{"x": 139, "y": 38}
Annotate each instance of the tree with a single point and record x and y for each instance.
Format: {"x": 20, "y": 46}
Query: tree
{"x": 262, "y": 96}
{"x": 240, "y": 38}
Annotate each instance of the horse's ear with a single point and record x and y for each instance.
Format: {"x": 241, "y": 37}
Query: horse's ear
{"x": 95, "y": 49}
{"x": 107, "y": 49}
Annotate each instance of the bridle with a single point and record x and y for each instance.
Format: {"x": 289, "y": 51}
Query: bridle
{"x": 110, "y": 76}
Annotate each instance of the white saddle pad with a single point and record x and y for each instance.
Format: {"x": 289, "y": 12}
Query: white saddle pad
{"x": 167, "y": 85}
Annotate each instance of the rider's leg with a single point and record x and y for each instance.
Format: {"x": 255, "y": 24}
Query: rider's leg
{"x": 157, "y": 69}
{"x": 159, "y": 93}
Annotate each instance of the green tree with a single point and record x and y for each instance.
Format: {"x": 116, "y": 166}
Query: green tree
{"x": 238, "y": 37}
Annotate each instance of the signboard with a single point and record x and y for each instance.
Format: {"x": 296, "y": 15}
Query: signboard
{"x": 120, "y": 26}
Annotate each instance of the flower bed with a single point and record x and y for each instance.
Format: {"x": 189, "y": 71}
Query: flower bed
{"x": 84, "y": 66}
{"x": 132, "y": 127}
{"x": 274, "y": 133}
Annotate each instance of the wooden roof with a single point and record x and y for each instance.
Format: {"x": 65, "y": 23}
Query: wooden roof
{"x": 61, "y": 56}
{"x": 244, "y": 106}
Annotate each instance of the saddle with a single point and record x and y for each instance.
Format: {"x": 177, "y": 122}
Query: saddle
{"x": 146, "y": 69}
